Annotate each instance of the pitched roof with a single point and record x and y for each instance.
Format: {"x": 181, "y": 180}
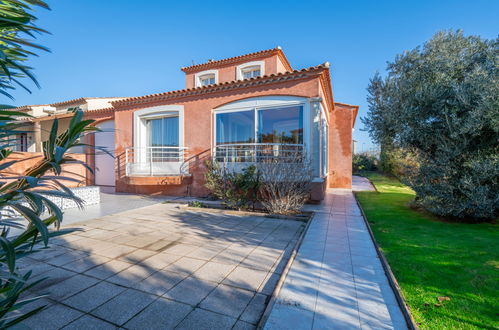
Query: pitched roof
{"x": 81, "y": 100}
{"x": 263, "y": 53}
{"x": 223, "y": 86}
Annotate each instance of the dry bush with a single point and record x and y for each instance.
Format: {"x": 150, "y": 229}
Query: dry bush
{"x": 285, "y": 182}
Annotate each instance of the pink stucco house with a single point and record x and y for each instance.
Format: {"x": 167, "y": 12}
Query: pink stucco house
{"x": 230, "y": 109}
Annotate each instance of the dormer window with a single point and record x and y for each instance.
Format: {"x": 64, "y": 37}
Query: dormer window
{"x": 206, "y": 78}
{"x": 250, "y": 70}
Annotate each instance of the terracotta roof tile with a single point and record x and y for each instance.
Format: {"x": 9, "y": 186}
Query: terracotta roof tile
{"x": 272, "y": 78}
{"x": 230, "y": 60}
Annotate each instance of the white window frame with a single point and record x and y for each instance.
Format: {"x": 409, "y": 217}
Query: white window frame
{"x": 265, "y": 103}
{"x": 242, "y": 67}
{"x": 198, "y": 76}
{"x": 140, "y": 118}
{"x": 324, "y": 163}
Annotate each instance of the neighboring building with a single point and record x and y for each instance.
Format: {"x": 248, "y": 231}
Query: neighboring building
{"x": 235, "y": 110}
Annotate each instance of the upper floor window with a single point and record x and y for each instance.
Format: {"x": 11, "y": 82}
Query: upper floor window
{"x": 206, "y": 78}
{"x": 251, "y": 72}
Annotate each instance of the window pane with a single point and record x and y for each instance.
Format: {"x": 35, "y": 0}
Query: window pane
{"x": 281, "y": 125}
{"x": 235, "y": 127}
{"x": 163, "y": 132}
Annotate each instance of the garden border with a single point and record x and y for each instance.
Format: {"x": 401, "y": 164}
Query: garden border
{"x": 411, "y": 323}
{"x": 213, "y": 209}
{"x": 277, "y": 289}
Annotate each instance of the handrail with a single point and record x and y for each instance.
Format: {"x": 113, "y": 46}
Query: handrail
{"x": 257, "y": 152}
{"x": 155, "y": 160}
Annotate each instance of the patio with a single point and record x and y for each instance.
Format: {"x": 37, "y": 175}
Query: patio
{"x": 161, "y": 266}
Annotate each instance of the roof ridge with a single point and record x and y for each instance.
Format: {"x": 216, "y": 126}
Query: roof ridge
{"x": 230, "y": 59}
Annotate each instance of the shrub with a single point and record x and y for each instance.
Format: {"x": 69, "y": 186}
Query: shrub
{"x": 398, "y": 162}
{"x": 441, "y": 102}
{"x": 286, "y": 183}
{"x": 34, "y": 186}
{"x": 237, "y": 190}
{"x": 364, "y": 162}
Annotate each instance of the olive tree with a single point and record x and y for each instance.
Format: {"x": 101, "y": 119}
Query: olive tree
{"x": 440, "y": 102}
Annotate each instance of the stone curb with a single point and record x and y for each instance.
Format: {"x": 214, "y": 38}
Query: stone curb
{"x": 284, "y": 274}
{"x": 411, "y": 323}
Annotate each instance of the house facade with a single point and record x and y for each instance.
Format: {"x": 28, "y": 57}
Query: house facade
{"x": 237, "y": 111}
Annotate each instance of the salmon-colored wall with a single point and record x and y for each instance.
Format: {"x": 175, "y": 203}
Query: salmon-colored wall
{"x": 227, "y": 73}
{"x": 340, "y": 147}
{"x": 26, "y": 160}
{"x": 198, "y": 110}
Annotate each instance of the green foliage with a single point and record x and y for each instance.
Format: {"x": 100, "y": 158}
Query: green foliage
{"x": 364, "y": 162}
{"x": 432, "y": 258}
{"x": 441, "y": 103}
{"x": 35, "y": 187}
{"x": 398, "y": 162}
{"x": 196, "y": 204}
{"x": 237, "y": 190}
{"x": 16, "y": 31}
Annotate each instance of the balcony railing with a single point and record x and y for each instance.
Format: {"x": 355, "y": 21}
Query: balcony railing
{"x": 155, "y": 161}
{"x": 258, "y": 152}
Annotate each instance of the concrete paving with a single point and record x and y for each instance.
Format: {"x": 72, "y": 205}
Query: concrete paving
{"x": 359, "y": 183}
{"x": 160, "y": 267}
{"x": 336, "y": 280}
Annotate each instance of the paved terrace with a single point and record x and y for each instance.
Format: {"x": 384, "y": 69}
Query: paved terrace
{"x": 161, "y": 267}
{"x": 336, "y": 280}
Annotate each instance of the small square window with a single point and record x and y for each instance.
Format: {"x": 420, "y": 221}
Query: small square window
{"x": 206, "y": 80}
{"x": 251, "y": 72}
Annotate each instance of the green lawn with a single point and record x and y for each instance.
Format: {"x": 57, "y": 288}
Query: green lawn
{"x": 432, "y": 258}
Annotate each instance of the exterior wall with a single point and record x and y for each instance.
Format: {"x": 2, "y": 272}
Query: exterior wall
{"x": 25, "y": 160}
{"x": 280, "y": 67}
{"x": 227, "y": 73}
{"x": 340, "y": 147}
{"x": 198, "y": 135}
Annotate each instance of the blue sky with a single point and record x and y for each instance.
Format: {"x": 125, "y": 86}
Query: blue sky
{"x": 129, "y": 48}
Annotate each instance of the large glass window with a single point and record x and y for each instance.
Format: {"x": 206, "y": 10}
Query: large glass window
{"x": 163, "y": 132}
{"x": 270, "y": 128}
{"x": 281, "y": 125}
{"x": 235, "y": 127}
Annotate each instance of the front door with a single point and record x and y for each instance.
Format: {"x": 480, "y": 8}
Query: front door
{"x": 104, "y": 163}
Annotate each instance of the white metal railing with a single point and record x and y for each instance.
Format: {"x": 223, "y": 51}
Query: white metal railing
{"x": 151, "y": 161}
{"x": 257, "y": 152}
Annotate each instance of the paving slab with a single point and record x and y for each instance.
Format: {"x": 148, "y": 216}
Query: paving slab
{"x": 227, "y": 300}
{"x": 336, "y": 280}
{"x": 94, "y": 296}
{"x": 123, "y": 307}
{"x": 161, "y": 314}
{"x": 201, "y": 319}
{"x": 87, "y": 322}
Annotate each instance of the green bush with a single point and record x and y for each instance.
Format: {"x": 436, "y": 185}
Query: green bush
{"x": 237, "y": 190}
{"x": 364, "y": 162}
{"x": 440, "y": 102}
{"x": 398, "y": 162}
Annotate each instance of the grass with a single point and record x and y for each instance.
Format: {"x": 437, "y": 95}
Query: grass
{"x": 432, "y": 258}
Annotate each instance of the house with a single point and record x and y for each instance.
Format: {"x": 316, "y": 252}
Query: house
{"x": 233, "y": 110}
